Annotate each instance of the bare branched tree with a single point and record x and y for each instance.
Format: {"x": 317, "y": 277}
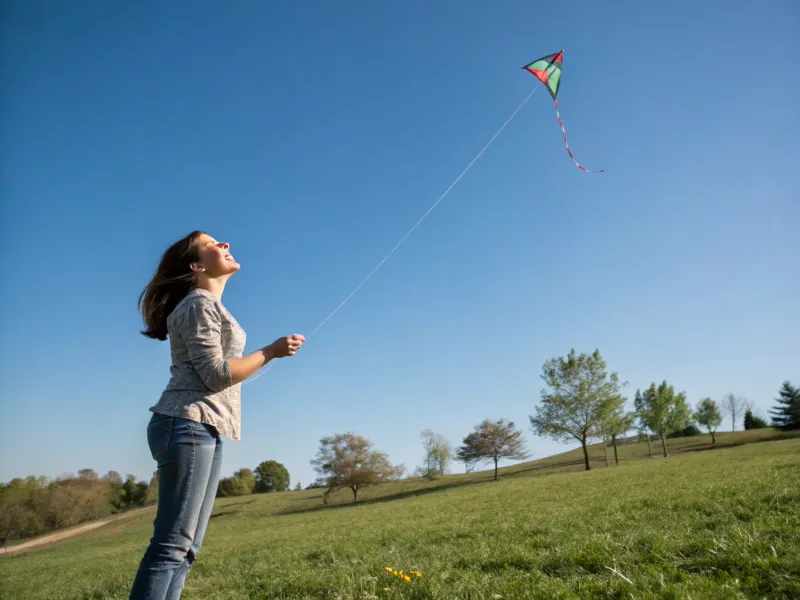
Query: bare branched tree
{"x": 735, "y": 406}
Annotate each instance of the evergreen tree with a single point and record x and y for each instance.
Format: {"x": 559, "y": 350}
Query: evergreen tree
{"x": 787, "y": 414}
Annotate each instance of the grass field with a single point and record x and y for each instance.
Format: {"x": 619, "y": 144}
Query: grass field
{"x": 721, "y": 523}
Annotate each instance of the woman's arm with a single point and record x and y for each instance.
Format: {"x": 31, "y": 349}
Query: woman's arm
{"x": 201, "y": 329}
{"x": 244, "y": 367}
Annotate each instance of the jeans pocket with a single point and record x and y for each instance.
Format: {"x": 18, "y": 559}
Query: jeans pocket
{"x": 158, "y": 433}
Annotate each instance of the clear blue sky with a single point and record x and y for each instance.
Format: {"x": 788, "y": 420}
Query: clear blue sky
{"x": 311, "y": 136}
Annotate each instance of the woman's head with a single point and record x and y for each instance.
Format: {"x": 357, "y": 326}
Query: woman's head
{"x": 196, "y": 260}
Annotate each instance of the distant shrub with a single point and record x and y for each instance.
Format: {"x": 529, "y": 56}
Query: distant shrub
{"x": 688, "y": 431}
{"x": 753, "y": 422}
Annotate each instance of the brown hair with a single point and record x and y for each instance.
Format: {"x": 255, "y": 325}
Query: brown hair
{"x": 171, "y": 282}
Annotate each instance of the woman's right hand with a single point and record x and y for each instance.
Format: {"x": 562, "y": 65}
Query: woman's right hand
{"x": 287, "y": 345}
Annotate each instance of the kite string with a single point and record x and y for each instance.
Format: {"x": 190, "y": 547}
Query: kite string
{"x": 408, "y": 233}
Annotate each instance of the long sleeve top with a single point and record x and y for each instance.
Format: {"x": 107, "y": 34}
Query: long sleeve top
{"x": 203, "y": 336}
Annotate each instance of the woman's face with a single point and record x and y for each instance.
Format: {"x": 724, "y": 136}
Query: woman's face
{"x": 215, "y": 257}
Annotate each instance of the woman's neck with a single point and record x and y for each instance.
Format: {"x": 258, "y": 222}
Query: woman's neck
{"x": 213, "y": 285}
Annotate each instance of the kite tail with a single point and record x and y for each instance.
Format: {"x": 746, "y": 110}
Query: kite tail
{"x": 564, "y": 132}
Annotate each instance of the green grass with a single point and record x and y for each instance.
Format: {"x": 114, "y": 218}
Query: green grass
{"x": 702, "y": 524}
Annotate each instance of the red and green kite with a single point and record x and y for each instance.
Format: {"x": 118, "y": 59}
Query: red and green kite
{"x": 548, "y": 70}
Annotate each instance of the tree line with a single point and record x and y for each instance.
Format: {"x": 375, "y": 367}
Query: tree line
{"x": 580, "y": 401}
{"x": 36, "y": 505}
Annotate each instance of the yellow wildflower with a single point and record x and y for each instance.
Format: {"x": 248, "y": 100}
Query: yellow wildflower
{"x": 387, "y": 569}
{"x": 406, "y": 578}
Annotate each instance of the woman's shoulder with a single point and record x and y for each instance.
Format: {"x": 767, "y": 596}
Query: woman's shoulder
{"x": 197, "y": 303}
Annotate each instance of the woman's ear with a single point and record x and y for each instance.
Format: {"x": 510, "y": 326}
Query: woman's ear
{"x": 197, "y": 267}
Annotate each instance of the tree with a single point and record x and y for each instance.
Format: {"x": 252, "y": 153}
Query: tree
{"x": 733, "y": 405}
{"x": 298, "y": 487}
{"x": 348, "y": 460}
{"x": 242, "y": 483}
{"x": 271, "y": 476}
{"x": 690, "y": 430}
{"x": 493, "y": 440}
{"x": 21, "y": 507}
{"x": 618, "y": 423}
{"x": 115, "y": 493}
{"x": 134, "y": 493}
{"x": 579, "y": 396}
{"x": 786, "y": 415}
{"x": 663, "y": 411}
{"x": 248, "y": 479}
{"x": 152, "y": 490}
{"x": 463, "y": 455}
{"x": 232, "y": 486}
{"x": 708, "y": 416}
{"x": 88, "y": 474}
{"x": 437, "y": 453}
{"x": 640, "y": 413}
{"x": 752, "y": 421}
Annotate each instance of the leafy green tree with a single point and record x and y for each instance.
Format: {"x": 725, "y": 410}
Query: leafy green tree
{"x": 271, "y": 476}
{"x": 580, "y": 395}
{"x": 242, "y": 483}
{"x": 232, "y": 486}
{"x": 134, "y": 493}
{"x": 617, "y": 424}
{"x": 437, "y": 453}
{"x": 786, "y": 415}
{"x": 21, "y": 507}
{"x": 115, "y": 493}
{"x": 248, "y": 479}
{"x": 663, "y": 411}
{"x": 348, "y": 460}
{"x": 640, "y": 413}
{"x": 709, "y": 416}
{"x": 493, "y": 441}
{"x": 152, "y": 490}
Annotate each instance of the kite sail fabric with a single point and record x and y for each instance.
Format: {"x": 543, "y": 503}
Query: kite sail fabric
{"x": 548, "y": 70}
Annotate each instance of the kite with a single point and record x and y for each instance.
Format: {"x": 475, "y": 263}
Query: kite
{"x": 548, "y": 70}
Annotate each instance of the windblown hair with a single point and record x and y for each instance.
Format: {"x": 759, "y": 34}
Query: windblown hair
{"x": 171, "y": 282}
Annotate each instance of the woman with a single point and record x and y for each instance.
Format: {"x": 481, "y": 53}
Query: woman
{"x": 201, "y": 401}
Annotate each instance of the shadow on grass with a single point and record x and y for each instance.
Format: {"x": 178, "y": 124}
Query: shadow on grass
{"x": 544, "y": 469}
{"x": 554, "y": 466}
{"x": 735, "y": 443}
{"x": 474, "y": 480}
{"x": 387, "y": 498}
{"x": 224, "y": 512}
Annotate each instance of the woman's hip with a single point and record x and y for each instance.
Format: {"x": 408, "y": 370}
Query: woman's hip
{"x": 171, "y": 435}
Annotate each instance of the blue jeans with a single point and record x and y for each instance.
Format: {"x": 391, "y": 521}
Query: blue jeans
{"x": 189, "y": 457}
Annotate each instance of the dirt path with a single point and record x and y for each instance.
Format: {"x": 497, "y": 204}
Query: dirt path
{"x": 60, "y": 535}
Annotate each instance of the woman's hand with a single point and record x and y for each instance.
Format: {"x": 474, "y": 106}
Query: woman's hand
{"x": 286, "y": 346}
{"x": 244, "y": 367}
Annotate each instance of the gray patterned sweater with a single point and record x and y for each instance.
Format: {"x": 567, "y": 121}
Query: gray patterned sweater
{"x": 203, "y": 336}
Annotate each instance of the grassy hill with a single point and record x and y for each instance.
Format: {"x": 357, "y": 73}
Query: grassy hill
{"x": 702, "y": 524}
